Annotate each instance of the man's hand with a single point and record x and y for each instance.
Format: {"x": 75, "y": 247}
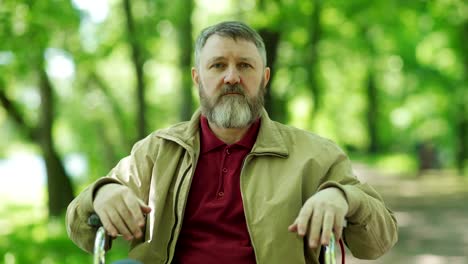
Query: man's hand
{"x": 322, "y": 214}
{"x": 120, "y": 210}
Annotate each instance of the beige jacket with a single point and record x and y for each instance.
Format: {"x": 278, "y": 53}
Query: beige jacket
{"x": 285, "y": 167}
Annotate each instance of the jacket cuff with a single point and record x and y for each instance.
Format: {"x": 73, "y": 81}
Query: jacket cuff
{"x": 358, "y": 211}
{"x": 99, "y": 183}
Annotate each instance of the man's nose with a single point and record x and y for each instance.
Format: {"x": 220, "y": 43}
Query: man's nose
{"x": 232, "y": 76}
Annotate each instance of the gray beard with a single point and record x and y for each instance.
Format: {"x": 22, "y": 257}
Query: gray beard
{"x": 232, "y": 111}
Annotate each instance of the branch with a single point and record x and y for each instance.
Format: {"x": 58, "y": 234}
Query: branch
{"x": 118, "y": 111}
{"x": 15, "y": 114}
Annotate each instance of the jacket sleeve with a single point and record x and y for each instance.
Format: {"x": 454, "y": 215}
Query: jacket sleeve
{"x": 372, "y": 228}
{"x": 133, "y": 171}
{"x": 78, "y": 212}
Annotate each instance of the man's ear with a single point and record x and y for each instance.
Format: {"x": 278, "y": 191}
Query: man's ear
{"x": 266, "y": 76}
{"x": 195, "y": 76}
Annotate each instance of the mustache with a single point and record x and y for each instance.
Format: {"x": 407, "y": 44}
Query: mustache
{"x": 235, "y": 88}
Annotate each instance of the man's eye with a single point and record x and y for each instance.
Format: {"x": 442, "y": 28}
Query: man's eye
{"x": 217, "y": 65}
{"x": 245, "y": 65}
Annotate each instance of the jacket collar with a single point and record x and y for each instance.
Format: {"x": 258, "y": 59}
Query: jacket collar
{"x": 269, "y": 139}
{"x": 185, "y": 133}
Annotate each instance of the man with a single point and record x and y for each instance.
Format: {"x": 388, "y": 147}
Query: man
{"x": 231, "y": 185}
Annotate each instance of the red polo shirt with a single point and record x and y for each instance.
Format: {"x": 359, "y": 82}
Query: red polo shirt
{"x": 214, "y": 228}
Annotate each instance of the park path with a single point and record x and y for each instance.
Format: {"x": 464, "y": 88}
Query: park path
{"x": 432, "y": 213}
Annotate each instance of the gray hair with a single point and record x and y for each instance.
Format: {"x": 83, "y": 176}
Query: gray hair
{"x": 232, "y": 29}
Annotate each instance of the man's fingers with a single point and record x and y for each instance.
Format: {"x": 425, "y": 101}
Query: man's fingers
{"x": 132, "y": 217}
{"x": 315, "y": 227}
{"x": 124, "y": 211}
{"x": 145, "y": 209}
{"x": 328, "y": 222}
{"x": 338, "y": 226}
{"x": 293, "y": 226}
{"x": 108, "y": 226}
{"x": 118, "y": 221}
{"x": 322, "y": 214}
{"x": 303, "y": 219}
{"x": 138, "y": 221}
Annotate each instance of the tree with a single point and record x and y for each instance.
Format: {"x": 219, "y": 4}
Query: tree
{"x": 138, "y": 61}
{"x": 184, "y": 33}
{"x": 312, "y": 58}
{"x": 60, "y": 188}
{"x": 60, "y": 191}
{"x": 461, "y": 98}
{"x": 271, "y": 35}
{"x": 38, "y": 30}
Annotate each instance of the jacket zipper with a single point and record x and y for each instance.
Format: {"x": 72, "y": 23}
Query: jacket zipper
{"x": 247, "y": 158}
{"x": 174, "y": 227}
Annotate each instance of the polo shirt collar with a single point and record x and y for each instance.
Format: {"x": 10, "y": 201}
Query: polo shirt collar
{"x": 209, "y": 141}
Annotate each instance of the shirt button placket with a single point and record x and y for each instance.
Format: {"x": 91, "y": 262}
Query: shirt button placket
{"x": 224, "y": 171}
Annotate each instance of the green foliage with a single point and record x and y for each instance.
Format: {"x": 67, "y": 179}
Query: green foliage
{"x": 29, "y": 238}
{"x": 411, "y": 48}
{"x": 414, "y": 52}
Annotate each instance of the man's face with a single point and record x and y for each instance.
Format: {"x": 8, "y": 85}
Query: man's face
{"x": 231, "y": 78}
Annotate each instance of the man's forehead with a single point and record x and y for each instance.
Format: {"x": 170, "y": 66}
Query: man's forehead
{"x": 241, "y": 58}
{"x": 222, "y": 37}
{"x": 216, "y": 45}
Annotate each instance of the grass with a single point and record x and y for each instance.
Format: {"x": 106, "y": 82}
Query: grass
{"x": 26, "y": 236}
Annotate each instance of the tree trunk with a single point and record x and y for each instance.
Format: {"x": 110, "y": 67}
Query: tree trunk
{"x": 462, "y": 134}
{"x": 138, "y": 61}
{"x": 372, "y": 94}
{"x": 315, "y": 35}
{"x": 372, "y": 113}
{"x": 462, "y": 102}
{"x": 59, "y": 186}
{"x": 274, "y": 106}
{"x": 185, "y": 63}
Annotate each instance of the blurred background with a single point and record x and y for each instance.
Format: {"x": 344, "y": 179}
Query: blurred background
{"x": 81, "y": 81}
